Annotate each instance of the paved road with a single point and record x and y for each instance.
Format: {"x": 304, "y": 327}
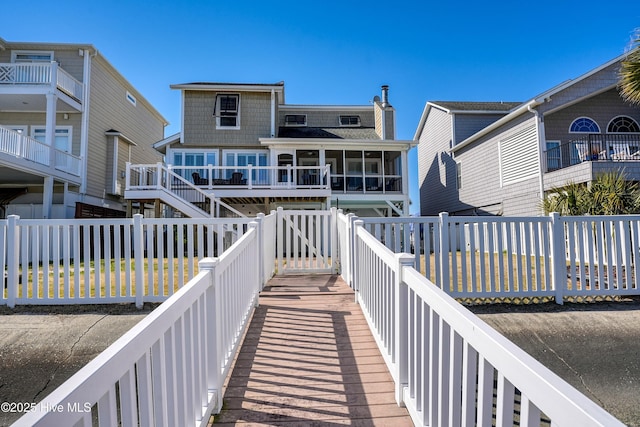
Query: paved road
{"x": 594, "y": 347}
{"x": 41, "y": 347}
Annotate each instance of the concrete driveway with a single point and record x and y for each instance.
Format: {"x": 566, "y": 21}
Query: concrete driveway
{"x": 594, "y": 347}
{"x": 41, "y": 347}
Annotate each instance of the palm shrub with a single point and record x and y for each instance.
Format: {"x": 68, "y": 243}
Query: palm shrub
{"x": 609, "y": 194}
{"x": 566, "y": 200}
{"x": 612, "y": 194}
{"x": 629, "y": 83}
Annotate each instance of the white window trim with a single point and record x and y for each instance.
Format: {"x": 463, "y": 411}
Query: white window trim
{"x": 236, "y": 152}
{"x": 348, "y": 125}
{"x": 69, "y": 132}
{"x": 217, "y": 112}
{"x": 132, "y": 99}
{"x": 205, "y": 151}
{"x": 584, "y": 117}
{"x": 15, "y": 53}
{"x": 622, "y": 116}
{"x": 295, "y": 124}
{"x": 458, "y": 175}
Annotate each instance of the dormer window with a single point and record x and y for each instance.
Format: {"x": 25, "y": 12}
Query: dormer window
{"x": 227, "y": 111}
{"x": 349, "y": 120}
{"x": 295, "y": 120}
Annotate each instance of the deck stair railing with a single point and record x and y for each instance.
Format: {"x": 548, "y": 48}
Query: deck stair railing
{"x": 177, "y": 190}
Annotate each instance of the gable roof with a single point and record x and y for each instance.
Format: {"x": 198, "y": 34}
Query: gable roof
{"x": 476, "y": 106}
{"x": 468, "y": 107}
{"x": 516, "y": 109}
{"x": 539, "y": 99}
{"x": 161, "y": 145}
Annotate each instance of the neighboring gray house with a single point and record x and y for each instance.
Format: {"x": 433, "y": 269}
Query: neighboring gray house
{"x": 243, "y": 145}
{"x": 69, "y": 123}
{"x": 494, "y": 158}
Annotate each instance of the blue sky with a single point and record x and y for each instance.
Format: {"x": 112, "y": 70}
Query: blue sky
{"x": 340, "y": 52}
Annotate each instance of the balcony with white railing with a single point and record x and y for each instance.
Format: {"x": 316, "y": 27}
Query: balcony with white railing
{"x": 40, "y": 74}
{"x": 16, "y": 147}
{"x": 247, "y": 180}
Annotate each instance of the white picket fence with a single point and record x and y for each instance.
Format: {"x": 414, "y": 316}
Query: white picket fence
{"x": 449, "y": 367}
{"x": 169, "y": 370}
{"x": 113, "y": 260}
{"x": 513, "y": 257}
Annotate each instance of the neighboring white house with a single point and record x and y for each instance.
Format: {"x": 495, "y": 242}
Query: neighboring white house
{"x": 244, "y": 145}
{"x": 498, "y": 158}
{"x": 69, "y": 123}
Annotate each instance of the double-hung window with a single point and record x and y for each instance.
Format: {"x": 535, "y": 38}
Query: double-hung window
{"x": 227, "y": 111}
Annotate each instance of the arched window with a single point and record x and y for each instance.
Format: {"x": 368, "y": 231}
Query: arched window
{"x": 623, "y": 124}
{"x": 584, "y": 125}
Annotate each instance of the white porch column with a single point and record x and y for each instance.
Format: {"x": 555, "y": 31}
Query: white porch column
{"x": 47, "y": 197}
{"x": 50, "y": 126}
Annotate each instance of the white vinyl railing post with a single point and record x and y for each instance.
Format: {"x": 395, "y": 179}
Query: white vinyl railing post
{"x": 159, "y": 176}
{"x": 138, "y": 256}
{"x": 13, "y": 259}
{"x": 558, "y": 259}
{"x": 214, "y": 339}
{"x": 127, "y": 176}
{"x": 357, "y": 225}
{"x": 261, "y": 248}
{"x": 401, "y": 326}
{"x": 280, "y": 238}
{"x": 335, "y": 260}
{"x": 351, "y": 218}
{"x": 444, "y": 252}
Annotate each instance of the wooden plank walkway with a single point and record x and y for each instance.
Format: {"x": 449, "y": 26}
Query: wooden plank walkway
{"x": 309, "y": 359}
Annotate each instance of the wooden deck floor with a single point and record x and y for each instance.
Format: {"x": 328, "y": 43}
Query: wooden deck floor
{"x": 309, "y": 359}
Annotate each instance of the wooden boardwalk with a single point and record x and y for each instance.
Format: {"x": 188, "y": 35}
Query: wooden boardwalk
{"x": 309, "y": 359}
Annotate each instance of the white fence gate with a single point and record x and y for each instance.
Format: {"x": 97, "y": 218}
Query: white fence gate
{"x": 305, "y": 241}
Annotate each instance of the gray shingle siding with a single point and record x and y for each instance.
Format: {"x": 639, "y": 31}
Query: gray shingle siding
{"x": 436, "y": 172}
{"x": 199, "y": 128}
{"x": 599, "y": 81}
{"x": 602, "y": 108}
{"x": 466, "y": 125}
{"x": 329, "y": 118}
{"x": 481, "y": 186}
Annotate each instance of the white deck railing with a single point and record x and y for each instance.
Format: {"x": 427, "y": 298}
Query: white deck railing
{"x": 21, "y": 146}
{"x": 170, "y": 368}
{"x": 110, "y": 261}
{"x": 449, "y": 367}
{"x": 40, "y": 74}
{"x": 158, "y": 177}
{"x": 513, "y": 257}
{"x": 242, "y": 177}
